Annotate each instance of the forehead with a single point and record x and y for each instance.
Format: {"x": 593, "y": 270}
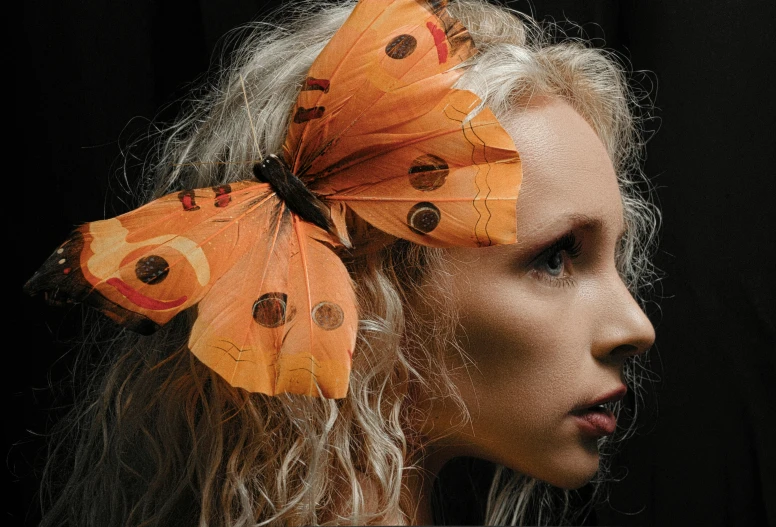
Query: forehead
{"x": 567, "y": 172}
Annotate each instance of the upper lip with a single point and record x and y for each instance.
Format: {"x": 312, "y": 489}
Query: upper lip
{"x": 615, "y": 395}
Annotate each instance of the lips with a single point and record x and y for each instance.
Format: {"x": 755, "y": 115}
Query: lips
{"x": 596, "y": 420}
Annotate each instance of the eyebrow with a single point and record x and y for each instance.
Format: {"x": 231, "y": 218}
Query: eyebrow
{"x": 577, "y": 221}
{"x": 584, "y": 222}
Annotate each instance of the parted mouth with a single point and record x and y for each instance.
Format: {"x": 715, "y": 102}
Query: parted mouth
{"x": 603, "y": 403}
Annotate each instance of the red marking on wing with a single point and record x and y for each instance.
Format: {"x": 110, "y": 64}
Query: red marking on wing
{"x": 187, "y": 200}
{"x": 140, "y": 299}
{"x": 305, "y": 114}
{"x": 222, "y": 198}
{"x": 440, "y": 40}
{"x": 316, "y": 84}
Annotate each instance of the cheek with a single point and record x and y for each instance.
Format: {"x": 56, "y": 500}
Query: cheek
{"x": 527, "y": 352}
{"x": 523, "y": 382}
{"x": 512, "y": 331}
{"x": 528, "y": 348}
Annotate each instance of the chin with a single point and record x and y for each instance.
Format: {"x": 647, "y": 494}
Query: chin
{"x": 574, "y": 481}
{"x": 572, "y": 474}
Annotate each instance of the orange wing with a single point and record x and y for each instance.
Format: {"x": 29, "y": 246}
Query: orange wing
{"x": 283, "y": 318}
{"x": 378, "y": 128}
{"x": 144, "y": 267}
{"x": 232, "y": 249}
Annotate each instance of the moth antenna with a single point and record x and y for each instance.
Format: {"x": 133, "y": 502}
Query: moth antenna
{"x": 250, "y": 119}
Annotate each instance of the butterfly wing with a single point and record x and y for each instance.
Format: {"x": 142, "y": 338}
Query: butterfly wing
{"x": 283, "y": 318}
{"x": 276, "y": 306}
{"x": 453, "y": 182}
{"x": 383, "y": 47}
{"x": 378, "y": 128}
{"x": 144, "y": 267}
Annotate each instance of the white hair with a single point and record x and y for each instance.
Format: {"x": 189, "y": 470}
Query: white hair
{"x": 159, "y": 437}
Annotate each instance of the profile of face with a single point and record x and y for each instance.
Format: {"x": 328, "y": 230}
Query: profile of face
{"x": 547, "y": 322}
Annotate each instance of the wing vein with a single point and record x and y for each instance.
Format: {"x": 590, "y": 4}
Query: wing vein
{"x": 273, "y": 243}
{"x": 303, "y": 134}
{"x": 367, "y": 107}
{"x": 173, "y": 263}
{"x": 345, "y": 197}
{"x": 303, "y": 256}
{"x": 373, "y": 153}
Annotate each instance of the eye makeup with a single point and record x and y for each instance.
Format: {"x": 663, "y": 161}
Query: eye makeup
{"x": 567, "y": 242}
{"x": 551, "y": 264}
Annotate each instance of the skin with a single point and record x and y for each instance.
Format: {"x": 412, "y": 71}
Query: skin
{"x": 545, "y": 333}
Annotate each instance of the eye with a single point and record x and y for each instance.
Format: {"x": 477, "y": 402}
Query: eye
{"x": 553, "y": 261}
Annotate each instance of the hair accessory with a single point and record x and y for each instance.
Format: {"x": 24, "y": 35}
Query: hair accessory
{"x": 376, "y": 129}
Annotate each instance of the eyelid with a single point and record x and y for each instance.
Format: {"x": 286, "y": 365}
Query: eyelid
{"x": 568, "y": 242}
{"x": 563, "y": 280}
{"x": 570, "y": 247}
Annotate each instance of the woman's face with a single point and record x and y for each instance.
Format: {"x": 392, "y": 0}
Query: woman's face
{"x": 547, "y": 322}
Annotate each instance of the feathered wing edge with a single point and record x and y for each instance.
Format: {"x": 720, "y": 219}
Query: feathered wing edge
{"x": 145, "y": 266}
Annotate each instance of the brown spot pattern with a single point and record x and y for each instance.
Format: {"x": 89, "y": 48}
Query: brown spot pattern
{"x": 316, "y": 84}
{"x": 428, "y": 172}
{"x": 152, "y": 269}
{"x": 423, "y": 217}
{"x": 270, "y": 310}
{"x": 328, "y": 315}
{"x": 401, "y": 47}
{"x": 186, "y": 198}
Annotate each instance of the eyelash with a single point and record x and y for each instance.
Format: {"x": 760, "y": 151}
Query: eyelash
{"x": 567, "y": 243}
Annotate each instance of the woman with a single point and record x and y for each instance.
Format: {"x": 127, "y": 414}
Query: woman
{"x": 504, "y": 353}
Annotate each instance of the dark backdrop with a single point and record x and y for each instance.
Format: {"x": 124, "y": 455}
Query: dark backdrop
{"x": 92, "y": 73}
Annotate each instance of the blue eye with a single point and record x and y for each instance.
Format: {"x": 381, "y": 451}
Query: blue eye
{"x": 554, "y": 263}
{"x": 550, "y": 264}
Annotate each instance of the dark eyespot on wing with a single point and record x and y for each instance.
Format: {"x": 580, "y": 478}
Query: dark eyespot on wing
{"x": 152, "y": 269}
{"x": 401, "y": 47}
{"x": 428, "y": 172}
{"x": 270, "y": 309}
{"x": 423, "y": 217}
{"x": 328, "y": 315}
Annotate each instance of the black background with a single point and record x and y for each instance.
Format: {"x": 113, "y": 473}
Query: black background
{"x": 91, "y": 74}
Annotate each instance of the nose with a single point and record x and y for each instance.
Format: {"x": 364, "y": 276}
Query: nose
{"x": 624, "y": 330}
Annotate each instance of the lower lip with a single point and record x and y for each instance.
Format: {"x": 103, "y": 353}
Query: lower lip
{"x": 597, "y": 423}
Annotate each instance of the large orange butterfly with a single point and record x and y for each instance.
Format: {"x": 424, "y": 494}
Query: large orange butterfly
{"x": 376, "y": 129}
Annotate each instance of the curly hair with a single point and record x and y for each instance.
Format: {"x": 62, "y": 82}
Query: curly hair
{"x": 159, "y": 439}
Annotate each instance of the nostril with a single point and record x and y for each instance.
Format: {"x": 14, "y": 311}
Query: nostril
{"x": 626, "y": 350}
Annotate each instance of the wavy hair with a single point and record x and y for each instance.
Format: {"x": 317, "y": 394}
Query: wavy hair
{"x": 159, "y": 439}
